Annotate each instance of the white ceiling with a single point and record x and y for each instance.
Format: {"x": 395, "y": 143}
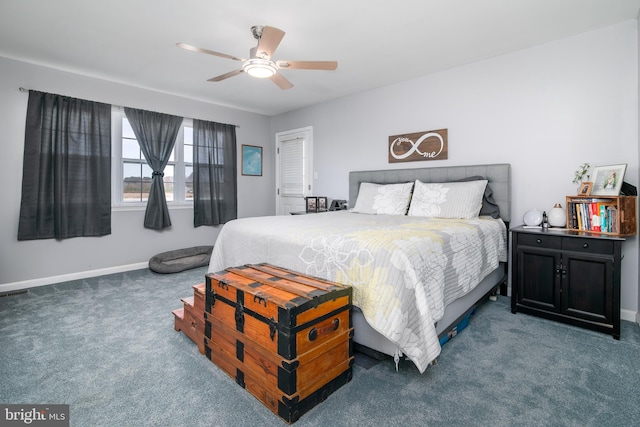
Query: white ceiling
{"x": 375, "y": 42}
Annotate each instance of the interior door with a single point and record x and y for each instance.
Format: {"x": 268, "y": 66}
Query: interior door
{"x": 293, "y": 169}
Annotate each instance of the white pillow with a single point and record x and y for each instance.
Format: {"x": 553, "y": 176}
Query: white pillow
{"x": 447, "y": 200}
{"x": 389, "y": 199}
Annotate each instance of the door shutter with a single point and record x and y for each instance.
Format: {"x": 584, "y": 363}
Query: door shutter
{"x": 292, "y": 167}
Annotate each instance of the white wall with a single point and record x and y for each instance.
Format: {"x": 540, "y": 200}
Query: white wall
{"x": 130, "y": 244}
{"x": 545, "y": 110}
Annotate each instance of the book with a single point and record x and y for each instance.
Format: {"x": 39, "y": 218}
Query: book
{"x": 578, "y": 210}
{"x": 603, "y": 219}
{"x": 614, "y": 219}
{"x": 595, "y": 216}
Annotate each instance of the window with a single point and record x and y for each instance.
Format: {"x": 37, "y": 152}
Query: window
{"x": 131, "y": 177}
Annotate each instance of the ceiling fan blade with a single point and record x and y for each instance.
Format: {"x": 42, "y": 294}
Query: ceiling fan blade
{"x": 207, "y": 51}
{"x": 269, "y": 41}
{"x": 307, "y": 65}
{"x": 281, "y": 81}
{"x": 226, "y": 75}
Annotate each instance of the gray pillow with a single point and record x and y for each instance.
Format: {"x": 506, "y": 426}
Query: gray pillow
{"x": 447, "y": 199}
{"x": 383, "y": 199}
{"x": 489, "y": 205}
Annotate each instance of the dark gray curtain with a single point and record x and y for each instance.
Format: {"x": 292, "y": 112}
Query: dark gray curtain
{"x": 156, "y": 133}
{"x": 215, "y": 199}
{"x": 66, "y": 178}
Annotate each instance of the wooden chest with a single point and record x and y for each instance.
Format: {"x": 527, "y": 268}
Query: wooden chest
{"x": 283, "y": 336}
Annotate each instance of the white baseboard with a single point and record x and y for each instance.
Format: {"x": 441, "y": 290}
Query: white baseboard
{"x": 25, "y": 284}
{"x": 631, "y": 316}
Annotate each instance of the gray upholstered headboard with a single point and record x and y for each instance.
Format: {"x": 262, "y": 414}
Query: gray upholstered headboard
{"x": 499, "y": 176}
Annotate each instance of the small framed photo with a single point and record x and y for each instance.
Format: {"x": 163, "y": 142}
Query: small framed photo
{"x": 322, "y": 204}
{"x": 251, "y": 160}
{"x": 312, "y": 204}
{"x": 607, "y": 180}
{"x": 585, "y": 189}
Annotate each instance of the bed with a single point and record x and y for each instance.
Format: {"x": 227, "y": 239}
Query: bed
{"x": 415, "y": 274}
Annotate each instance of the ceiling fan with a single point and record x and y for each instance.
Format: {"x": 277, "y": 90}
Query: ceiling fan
{"x": 260, "y": 63}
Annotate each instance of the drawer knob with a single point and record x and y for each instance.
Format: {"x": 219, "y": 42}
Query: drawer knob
{"x": 586, "y": 245}
{"x": 538, "y": 241}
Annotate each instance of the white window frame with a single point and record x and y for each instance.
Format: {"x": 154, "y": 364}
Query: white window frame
{"x": 179, "y": 202}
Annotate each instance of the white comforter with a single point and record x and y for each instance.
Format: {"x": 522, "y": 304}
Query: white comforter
{"x": 403, "y": 270}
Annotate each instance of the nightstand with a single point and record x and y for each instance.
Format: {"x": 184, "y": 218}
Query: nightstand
{"x": 567, "y": 276}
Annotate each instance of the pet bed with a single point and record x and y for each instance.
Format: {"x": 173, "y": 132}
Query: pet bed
{"x": 181, "y": 259}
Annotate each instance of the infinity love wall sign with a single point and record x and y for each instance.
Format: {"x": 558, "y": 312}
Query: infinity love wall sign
{"x": 419, "y": 146}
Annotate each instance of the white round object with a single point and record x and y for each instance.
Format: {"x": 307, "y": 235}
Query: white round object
{"x": 533, "y": 218}
{"x": 557, "y": 216}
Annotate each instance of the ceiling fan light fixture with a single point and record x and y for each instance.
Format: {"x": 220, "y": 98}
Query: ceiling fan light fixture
{"x": 260, "y": 64}
{"x": 261, "y": 68}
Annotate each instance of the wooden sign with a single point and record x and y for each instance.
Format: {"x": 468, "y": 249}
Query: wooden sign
{"x": 412, "y": 147}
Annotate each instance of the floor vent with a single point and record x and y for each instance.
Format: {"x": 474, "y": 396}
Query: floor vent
{"x": 10, "y": 294}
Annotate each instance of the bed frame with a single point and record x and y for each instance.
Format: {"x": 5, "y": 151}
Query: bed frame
{"x": 367, "y": 339}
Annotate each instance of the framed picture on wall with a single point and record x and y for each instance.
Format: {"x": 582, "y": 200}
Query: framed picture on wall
{"x": 251, "y": 160}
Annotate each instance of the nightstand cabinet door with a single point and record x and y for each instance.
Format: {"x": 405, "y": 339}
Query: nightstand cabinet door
{"x": 538, "y": 280}
{"x": 588, "y": 289}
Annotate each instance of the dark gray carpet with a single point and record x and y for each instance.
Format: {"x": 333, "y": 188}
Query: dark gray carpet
{"x": 107, "y": 347}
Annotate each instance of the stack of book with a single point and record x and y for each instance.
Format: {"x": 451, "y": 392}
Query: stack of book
{"x": 593, "y": 215}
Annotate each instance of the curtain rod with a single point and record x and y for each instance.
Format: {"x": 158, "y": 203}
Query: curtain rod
{"x": 21, "y": 89}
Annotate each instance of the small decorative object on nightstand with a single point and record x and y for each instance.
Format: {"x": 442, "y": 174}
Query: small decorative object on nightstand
{"x": 312, "y": 204}
{"x": 532, "y": 218}
{"x": 557, "y": 216}
{"x": 545, "y": 221}
{"x": 338, "y": 205}
{"x": 579, "y": 178}
{"x": 322, "y": 204}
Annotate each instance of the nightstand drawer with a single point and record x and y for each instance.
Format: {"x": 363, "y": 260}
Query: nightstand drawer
{"x": 588, "y": 246}
{"x": 540, "y": 240}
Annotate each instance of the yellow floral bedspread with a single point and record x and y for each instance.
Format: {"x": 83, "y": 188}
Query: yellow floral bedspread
{"x": 403, "y": 270}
